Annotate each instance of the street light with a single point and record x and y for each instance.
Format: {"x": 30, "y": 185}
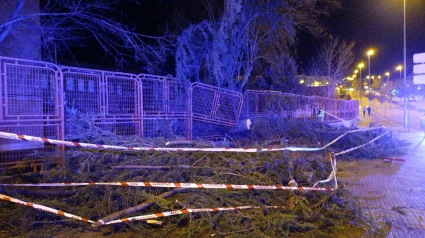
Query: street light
{"x": 369, "y": 53}
{"x": 388, "y": 75}
{"x": 399, "y": 68}
{"x": 404, "y": 62}
{"x": 361, "y": 65}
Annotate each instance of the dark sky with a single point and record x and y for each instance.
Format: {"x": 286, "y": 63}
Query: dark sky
{"x": 378, "y": 24}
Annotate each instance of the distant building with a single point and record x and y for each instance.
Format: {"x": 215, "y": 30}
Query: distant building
{"x": 21, "y": 39}
{"x": 315, "y": 86}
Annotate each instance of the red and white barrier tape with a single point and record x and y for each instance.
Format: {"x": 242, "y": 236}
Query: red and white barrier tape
{"x": 173, "y": 185}
{"x": 357, "y": 147}
{"x": 43, "y": 208}
{"x": 332, "y": 176}
{"x": 184, "y": 211}
{"x": 123, "y": 148}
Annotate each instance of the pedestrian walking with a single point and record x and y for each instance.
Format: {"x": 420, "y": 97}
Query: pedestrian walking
{"x": 364, "y": 111}
{"x": 321, "y": 115}
{"x": 368, "y": 110}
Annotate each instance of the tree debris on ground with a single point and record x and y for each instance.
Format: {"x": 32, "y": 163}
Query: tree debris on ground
{"x": 305, "y": 213}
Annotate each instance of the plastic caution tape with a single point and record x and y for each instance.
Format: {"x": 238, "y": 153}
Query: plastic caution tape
{"x": 43, "y": 208}
{"x": 184, "y": 211}
{"x": 357, "y": 147}
{"x": 173, "y": 185}
{"x": 123, "y": 148}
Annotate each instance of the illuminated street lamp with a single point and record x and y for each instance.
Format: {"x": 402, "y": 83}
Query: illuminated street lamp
{"x": 399, "y": 68}
{"x": 369, "y": 53}
{"x": 388, "y": 77}
{"x": 361, "y": 65}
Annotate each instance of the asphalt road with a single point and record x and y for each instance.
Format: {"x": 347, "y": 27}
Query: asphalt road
{"x": 394, "y": 112}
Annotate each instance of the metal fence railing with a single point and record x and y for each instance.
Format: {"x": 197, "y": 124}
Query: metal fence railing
{"x": 44, "y": 100}
{"x": 111, "y": 99}
{"x": 286, "y": 106}
{"x": 31, "y": 103}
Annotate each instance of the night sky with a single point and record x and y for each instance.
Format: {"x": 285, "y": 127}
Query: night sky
{"x": 378, "y": 24}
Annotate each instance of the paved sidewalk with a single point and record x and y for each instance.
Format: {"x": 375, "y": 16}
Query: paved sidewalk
{"x": 398, "y": 196}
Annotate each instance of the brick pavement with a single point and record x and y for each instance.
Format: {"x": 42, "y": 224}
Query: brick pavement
{"x": 400, "y": 196}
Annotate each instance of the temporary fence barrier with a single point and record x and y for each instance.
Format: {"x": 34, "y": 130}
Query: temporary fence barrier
{"x": 111, "y": 100}
{"x": 166, "y": 107}
{"x": 42, "y": 99}
{"x": 31, "y": 103}
{"x": 345, "y": 109}
{"x": 215, "y": 105}
{"x": 286, "y": 106}
{"x": 214, "y": 110}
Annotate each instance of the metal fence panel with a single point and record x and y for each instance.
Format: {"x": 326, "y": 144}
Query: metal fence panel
{"x": 31, "y": 103}
{"x": 83, "y": 90}
{"x": 179, "y": 97}
{"x": 166, "y": 107}
{"x": 112, "y": 100}
{"x": 165, "y": 96}
{"x": 216, "y": 105}
{"x": 259, "y": 104}
{"x": 175, "y": 127}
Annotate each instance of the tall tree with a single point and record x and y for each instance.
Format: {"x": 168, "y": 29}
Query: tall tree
{"x": 332, "y": 63}
{"x": 225, "y": 53}
{"x": 75, "y": 23}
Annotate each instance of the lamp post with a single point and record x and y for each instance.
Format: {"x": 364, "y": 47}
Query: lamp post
{"x": 361, "y": 65}
{"x": 404, "y": 63}
{"x": 388, "y": 77}
{"x": 369, "y": 53}
{"x": 399, "y": 68}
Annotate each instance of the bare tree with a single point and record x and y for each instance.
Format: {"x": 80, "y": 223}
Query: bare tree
{"x": 69, "y": 23}
{"x": 225, "y": 53}
{"x": 333, "y": 62}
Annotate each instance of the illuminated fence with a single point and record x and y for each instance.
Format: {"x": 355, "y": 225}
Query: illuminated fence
{"x": 166, "y": 107}
{"x": 214, "y": 110}
{"x": 345, "y": 109}
{"x": 40, "y": 99}
{"x": 286, "y": 106}
{"x": 31, "y": 103}
{"x": 112, "y": 100}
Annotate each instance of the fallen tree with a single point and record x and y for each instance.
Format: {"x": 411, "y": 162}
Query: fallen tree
{"x": 303, "y": 213}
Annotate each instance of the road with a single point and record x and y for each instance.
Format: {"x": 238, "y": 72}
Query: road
{"x": 394, "y": 112}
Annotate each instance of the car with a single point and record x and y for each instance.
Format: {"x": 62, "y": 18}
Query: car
{"x": 412, "y": 99}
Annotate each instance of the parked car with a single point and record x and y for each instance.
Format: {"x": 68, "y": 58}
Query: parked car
{"x": 412, "y": 99}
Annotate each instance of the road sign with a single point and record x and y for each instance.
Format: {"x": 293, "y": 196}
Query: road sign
{"x": 419, "y": 79}
{"x": 419, "y": 69}
{"x": 419, "y": 58}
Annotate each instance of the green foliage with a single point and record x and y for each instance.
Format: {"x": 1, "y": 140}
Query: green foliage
{"x": 305, "y": 214}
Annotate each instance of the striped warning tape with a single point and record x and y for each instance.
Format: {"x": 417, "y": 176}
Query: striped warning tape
{"x": 43, "y": 208}
{"x": 173, "y": 185}
{"x": 123, "y": 148}
{"x": 357, "y": 147}
{"x": 184, "y": 211}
